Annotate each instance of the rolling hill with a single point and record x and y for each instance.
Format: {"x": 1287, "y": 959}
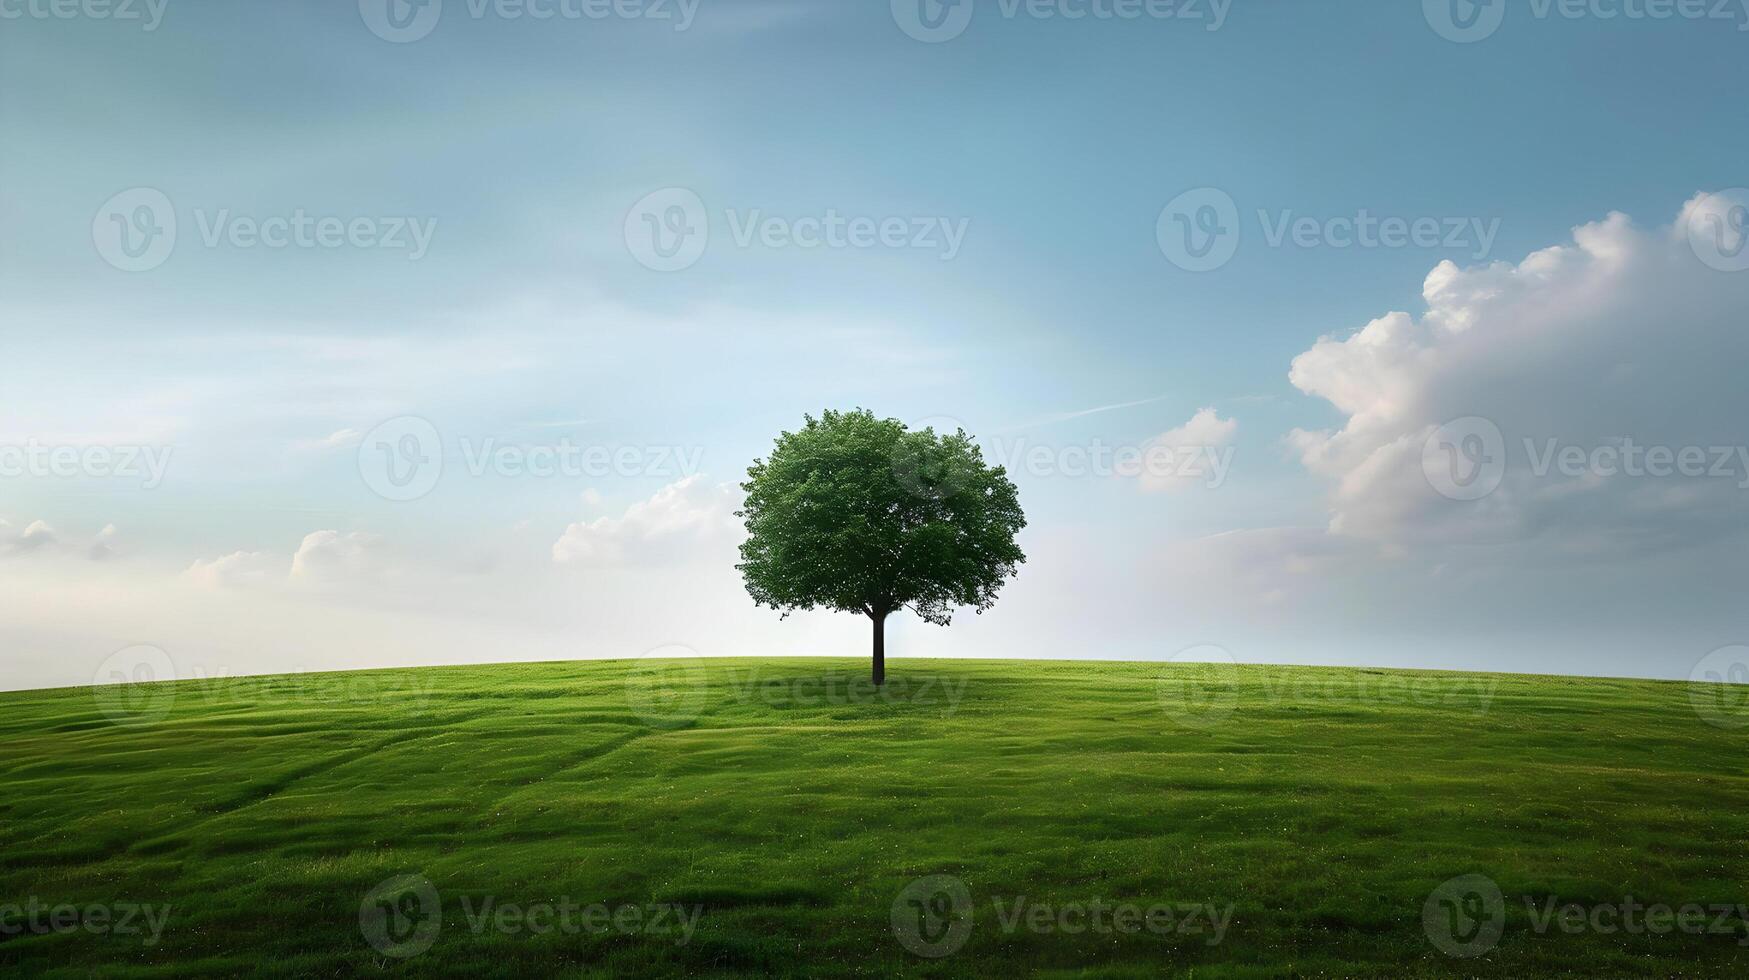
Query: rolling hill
{"x": 778, "y": 816}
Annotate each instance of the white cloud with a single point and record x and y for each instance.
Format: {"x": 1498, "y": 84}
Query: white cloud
{"x": 1624, "y": 334}
{"x": 682, "y": 520}
{"x": 337, "y": 440}
{"x": 327, "y": 556}
{"x": 36, "y": 536}
{"x": 323, "y": 557}
{"x": 1190, "y": 454}
{"x": 239, "y": 568}
{"x": 103, "y": 547}
{"x": 40, "y": 539}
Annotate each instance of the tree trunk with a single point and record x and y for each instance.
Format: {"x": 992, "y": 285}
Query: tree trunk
{"x": 880, "y": 649}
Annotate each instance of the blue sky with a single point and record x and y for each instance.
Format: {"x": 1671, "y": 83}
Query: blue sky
{"x": 523, "y": 144}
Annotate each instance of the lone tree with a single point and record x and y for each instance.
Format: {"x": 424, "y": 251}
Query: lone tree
{"x": 860, "y": 515}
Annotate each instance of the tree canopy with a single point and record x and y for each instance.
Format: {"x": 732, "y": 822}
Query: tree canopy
{"x": 861, "y": 515}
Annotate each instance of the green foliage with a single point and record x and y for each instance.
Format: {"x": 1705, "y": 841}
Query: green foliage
{"x": 857, "y": 514}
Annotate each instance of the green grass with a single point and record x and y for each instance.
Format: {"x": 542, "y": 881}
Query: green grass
{"x": 1322, "y": 806}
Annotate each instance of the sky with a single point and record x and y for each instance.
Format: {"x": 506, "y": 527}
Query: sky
{"x": 375, "y": 334}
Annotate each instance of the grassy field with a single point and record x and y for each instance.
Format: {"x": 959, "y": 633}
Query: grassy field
{"x": 742, "y": 817}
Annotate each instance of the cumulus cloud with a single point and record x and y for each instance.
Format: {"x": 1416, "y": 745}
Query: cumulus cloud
{"x": 36, "y": 536}
{"x": 103, "y": 546}
{"x": 239, "y": 568}
{"x": 1190, "y": 455}
{"x": 327, "y": 556}
{"x": 39, "y": 538}
{"x": 337, "y": 440}
{"x": 323, "y": 557}
{"x": 680, "y": 521}
{"x": 1624, "y": 337}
